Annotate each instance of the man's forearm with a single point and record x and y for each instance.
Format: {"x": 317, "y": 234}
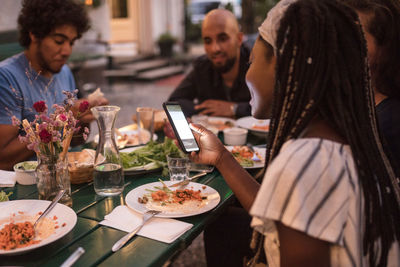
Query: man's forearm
{"x": 12, "y": 153}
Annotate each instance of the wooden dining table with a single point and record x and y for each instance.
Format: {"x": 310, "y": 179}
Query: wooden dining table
{"x": 97, "y": 240}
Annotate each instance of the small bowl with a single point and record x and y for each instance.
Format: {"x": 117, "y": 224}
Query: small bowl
{"x": 235, "y": 136}
{"x": 25, "y": 172}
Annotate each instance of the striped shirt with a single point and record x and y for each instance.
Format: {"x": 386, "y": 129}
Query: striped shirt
{"x": 312, "y": 186}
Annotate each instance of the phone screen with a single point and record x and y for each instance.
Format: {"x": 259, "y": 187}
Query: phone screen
{"x": 181, "y": 127}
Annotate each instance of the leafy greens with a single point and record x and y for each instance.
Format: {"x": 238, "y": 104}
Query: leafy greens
{"x": 151, "y": 156}
{"x": 4, "y": 196}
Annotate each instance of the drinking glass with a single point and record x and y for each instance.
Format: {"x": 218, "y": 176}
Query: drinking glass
{"x": 108, "y": 175}
{"x": 178, "y": 167}
{"x": 145, "y": 120}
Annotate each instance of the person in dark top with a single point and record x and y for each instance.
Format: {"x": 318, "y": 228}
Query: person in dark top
{"x": 381, "y": 23}
{"x": 216, "y": 85}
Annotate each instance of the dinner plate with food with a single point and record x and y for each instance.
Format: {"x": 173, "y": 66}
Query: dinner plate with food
{"x": 143, "y": 159}
{"x": 214, "y": 124}
{"x": 248, "y": 157}
{"x": 193, "y": 199}
{"x": 129, "y": 138}
{"x": 258, "y": 127}
{"x": 20, "y": 215}
{"x": 147, "y": 158}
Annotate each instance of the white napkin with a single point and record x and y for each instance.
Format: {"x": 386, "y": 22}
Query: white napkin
{"x": 161, "y": 229}
{"x": 7, "y": 179}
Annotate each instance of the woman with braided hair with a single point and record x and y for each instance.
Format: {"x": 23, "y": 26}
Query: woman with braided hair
{"x": 329, "y": 196}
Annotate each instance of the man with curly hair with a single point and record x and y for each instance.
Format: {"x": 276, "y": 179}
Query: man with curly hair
{"x": 47, "y": 31}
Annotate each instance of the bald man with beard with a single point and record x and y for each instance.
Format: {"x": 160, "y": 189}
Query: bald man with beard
{"x": 216, "y": 85}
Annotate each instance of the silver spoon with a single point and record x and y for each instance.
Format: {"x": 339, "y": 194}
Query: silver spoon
{"x": 50, "y": 207}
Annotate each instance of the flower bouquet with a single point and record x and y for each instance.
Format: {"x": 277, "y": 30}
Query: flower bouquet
{"x": 49, "y": 135}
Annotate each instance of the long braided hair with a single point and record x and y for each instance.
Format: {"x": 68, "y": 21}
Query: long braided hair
{"x": 322, "y": 71}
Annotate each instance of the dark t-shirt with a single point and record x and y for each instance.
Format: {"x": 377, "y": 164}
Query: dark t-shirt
{"x": 388, "y": 113}
{"x": 204, "y": 83}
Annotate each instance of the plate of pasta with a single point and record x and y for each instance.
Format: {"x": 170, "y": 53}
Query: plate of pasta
{"x": 17, "y": 235}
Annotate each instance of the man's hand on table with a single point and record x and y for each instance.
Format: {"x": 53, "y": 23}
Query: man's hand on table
{"x": 213, "y": 107}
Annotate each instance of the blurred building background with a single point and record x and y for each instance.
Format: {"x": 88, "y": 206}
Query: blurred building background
{"x": 125, "y": 28}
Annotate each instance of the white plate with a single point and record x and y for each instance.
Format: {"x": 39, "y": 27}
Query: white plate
{"x": 132, "y": 199}
{"x": 214, "y": 124}
{"x": 133, "y": 137}
{"x": 220, "y": 122}
{"x": 30, "y": 208}
{"x": 138, "y": 169}
{"x": 260, "y": 151}
{"x": 249, "y": 123}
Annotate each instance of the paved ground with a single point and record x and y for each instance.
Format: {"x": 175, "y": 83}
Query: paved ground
{"x": 128, "y": 95}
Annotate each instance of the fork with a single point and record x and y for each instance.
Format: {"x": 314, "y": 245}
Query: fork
{"x": 188, "y": 180}
{"x": 255, "y": 157}
{"x": 146, "y": 216}
{"x": 50, "y": 207}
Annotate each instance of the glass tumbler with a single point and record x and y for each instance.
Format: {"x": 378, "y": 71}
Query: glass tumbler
{"x": 178, "y": 167}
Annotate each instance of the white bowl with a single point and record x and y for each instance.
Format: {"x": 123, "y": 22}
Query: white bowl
{"x": 235, "y": 136}
{"x": 25, "y": 172}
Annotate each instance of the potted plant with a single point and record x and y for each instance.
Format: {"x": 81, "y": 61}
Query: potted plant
{"x": 166, "y": 42}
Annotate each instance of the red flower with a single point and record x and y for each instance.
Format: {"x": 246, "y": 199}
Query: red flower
{"x": 40, "y": 106}
{"x": 83, "y": 106}
{"x": 45, "y": 136}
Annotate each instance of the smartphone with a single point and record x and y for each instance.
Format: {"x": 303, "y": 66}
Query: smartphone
{"x": 181, "y": 127}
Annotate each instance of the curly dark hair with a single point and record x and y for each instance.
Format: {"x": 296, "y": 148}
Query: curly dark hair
{"x": 384, "y": 25}
{"x": 40, "y": 17}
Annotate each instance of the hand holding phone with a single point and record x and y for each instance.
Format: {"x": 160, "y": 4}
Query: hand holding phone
{"x": 181, "y": 127}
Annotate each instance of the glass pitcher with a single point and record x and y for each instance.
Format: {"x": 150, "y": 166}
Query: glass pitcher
{"x": 108, "y": 175}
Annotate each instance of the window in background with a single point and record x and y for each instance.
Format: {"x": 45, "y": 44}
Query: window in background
{"x": 119, "y": 9}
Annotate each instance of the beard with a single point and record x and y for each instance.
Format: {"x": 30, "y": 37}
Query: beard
{"x": 230, "y": 62}
{"x": 44, "y": 64}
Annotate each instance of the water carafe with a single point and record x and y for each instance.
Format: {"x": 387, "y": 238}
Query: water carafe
{"x": 108, "y": 175}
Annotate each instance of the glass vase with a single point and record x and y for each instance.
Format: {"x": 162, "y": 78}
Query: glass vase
{"x": 108, "y": 176}
{"x": 52, "y": 175}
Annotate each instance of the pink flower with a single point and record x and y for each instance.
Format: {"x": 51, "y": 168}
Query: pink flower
{"x": 43, "y": 126}
{"x": 45, "y": 136}
{"x": 40, "y": 106}
{"x": 83, "y": 106}
{"x": 62, "y": 117}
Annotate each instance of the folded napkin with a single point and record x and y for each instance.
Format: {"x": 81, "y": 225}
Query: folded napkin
{"x": 7, "y": 179}
{"x": 161, "y": 229}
